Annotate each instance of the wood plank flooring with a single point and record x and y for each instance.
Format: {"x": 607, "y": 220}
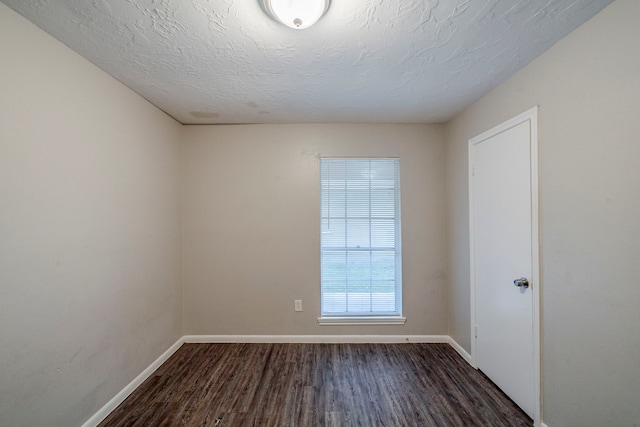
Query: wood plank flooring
{"x": 317, "y": 385}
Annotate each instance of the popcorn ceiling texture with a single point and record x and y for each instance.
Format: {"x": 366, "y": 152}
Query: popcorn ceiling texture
{"x": 225, "y": 61}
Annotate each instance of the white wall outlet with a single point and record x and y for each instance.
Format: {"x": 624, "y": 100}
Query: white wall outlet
{"x": 297, "y": 305}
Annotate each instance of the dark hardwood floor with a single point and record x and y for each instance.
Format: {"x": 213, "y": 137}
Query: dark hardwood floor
{"x": 317, "y": 385}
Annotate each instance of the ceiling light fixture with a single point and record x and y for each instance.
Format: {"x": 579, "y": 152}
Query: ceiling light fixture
{"x": 297, "y": 14}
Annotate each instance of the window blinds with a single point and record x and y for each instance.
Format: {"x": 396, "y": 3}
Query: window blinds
{"x": 360, "y": 240}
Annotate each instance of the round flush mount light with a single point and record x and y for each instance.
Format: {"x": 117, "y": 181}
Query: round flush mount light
{"x": 297, "y": 14}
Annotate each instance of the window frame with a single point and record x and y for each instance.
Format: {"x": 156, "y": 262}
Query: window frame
{"x": 363, "y": 317}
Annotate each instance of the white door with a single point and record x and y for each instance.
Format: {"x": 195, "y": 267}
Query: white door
{"x": 504, "y": 258}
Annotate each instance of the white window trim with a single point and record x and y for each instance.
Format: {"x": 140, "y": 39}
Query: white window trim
{"x": 361, "y": 320}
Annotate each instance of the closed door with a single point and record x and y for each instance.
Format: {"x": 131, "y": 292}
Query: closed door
{"x": 503, "y": 251}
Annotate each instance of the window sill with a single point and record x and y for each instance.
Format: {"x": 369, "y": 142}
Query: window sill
{"x": 362, "y": 320}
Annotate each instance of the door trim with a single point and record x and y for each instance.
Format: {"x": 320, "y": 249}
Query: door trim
{"x": 532, "y": 117}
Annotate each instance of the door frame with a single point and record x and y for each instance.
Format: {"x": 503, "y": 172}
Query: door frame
{"x": 531, "y": 116}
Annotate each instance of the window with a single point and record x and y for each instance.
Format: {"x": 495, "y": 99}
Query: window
{"x": 360, "y": 241}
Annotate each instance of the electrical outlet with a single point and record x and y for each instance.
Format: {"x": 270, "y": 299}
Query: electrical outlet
{"x": 297, "y": 305}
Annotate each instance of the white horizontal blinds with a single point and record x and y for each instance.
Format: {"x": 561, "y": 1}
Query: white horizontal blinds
{"x": 360, "y": 210}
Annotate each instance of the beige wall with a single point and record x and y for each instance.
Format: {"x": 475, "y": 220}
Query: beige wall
{"x": 251, "y": 225}
{"x": 588, "y": 90}
{"x": 89, "y": 231}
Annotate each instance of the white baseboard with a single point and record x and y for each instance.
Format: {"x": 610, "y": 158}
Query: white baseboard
{"x": 317, "y": 339}
{"x": 461, "y": 351}
{"x": 129, "y": 388}
{"x": 543, "y": 425}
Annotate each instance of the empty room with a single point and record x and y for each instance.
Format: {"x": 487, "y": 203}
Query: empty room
{"x": 236, "y": 213}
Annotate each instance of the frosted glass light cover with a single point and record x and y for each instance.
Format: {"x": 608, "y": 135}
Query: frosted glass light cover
{"x": 298, "y": 14}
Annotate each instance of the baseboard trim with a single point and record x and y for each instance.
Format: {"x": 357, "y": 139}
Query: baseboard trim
{"x": 129, "y": 388}
{"x": 317, "y": 339}
{"x": 543, "y": 425}
{"x": 461, "y": 351}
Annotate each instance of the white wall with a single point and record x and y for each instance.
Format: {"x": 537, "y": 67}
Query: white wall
{"x": 89, "y": 231}
{"x": 588, "y": 90}
{"x": 251, "y": 240}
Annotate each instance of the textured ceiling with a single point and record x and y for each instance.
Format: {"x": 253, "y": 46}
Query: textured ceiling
{"x": 224, "y": 61}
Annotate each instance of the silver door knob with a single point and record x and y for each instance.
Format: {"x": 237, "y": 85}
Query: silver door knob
{"x": 521, "y": 282}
